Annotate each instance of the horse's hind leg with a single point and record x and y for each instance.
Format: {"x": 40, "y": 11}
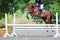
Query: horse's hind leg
{"x": 44, "y": 22}
{"x": 48, "y": 21}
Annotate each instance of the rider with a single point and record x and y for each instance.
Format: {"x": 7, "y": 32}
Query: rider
{"x": 40, "y": 4}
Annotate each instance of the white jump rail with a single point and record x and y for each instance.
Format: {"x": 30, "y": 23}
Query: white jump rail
{"x": 31, "y": 26}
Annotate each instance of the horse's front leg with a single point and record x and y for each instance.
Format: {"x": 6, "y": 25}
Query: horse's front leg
{"x": 32, "y": 16}
{"x": 27, "y": 16}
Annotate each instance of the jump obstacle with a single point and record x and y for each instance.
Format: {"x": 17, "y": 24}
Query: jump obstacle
{"x": 30, "y": 26}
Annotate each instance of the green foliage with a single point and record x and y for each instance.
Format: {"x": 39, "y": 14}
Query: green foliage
{"x": 53, "y": 6}
{"x": 7, "y": 6}
{"x": 2, "y": 25}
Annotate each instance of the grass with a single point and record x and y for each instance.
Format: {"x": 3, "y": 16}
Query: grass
{"x": 3, "y": 30}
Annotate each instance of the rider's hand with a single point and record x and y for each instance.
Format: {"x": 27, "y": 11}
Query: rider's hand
{"x": 37, "y": 4}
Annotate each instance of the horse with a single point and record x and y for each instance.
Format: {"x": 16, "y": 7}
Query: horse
{"x": 33, "y": 10}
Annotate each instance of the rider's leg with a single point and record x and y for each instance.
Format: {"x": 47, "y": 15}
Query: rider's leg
{"x": 41, "y": 8}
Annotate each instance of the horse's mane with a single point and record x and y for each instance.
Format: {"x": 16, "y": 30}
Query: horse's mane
{"x": 32, "y": 3}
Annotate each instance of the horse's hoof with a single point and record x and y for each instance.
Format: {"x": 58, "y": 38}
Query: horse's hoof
{"x": 52, "y": 31}
{"x": 47, "y": 30}
{"x": 27, "y": 17}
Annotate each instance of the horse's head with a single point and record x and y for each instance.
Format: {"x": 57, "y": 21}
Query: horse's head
{"x": 30, "y": 8}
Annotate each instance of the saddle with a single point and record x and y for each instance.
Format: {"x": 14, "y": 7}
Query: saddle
{"x": 41, "y": 12}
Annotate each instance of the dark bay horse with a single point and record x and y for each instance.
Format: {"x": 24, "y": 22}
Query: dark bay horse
{"x": 34, "y": 11}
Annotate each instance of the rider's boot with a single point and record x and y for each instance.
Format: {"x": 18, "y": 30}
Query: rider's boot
{"x": 41, "y": 11}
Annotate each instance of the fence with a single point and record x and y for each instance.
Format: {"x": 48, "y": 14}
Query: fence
{"x": 30, "y": 26}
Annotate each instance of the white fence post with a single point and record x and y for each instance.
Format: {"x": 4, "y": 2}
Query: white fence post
{"x": 6, "y": 34}
{"x": 13, "y": 32}
{"x": 57, "y": 29}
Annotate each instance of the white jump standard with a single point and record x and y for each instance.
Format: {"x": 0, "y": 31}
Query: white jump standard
{"x": 57, "y": 33}
{"x": 13, "y": 33}
{"x": 6, "y": 34}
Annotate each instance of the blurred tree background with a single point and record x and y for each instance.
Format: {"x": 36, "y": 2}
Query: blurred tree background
{"x": 6, "y": 6}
